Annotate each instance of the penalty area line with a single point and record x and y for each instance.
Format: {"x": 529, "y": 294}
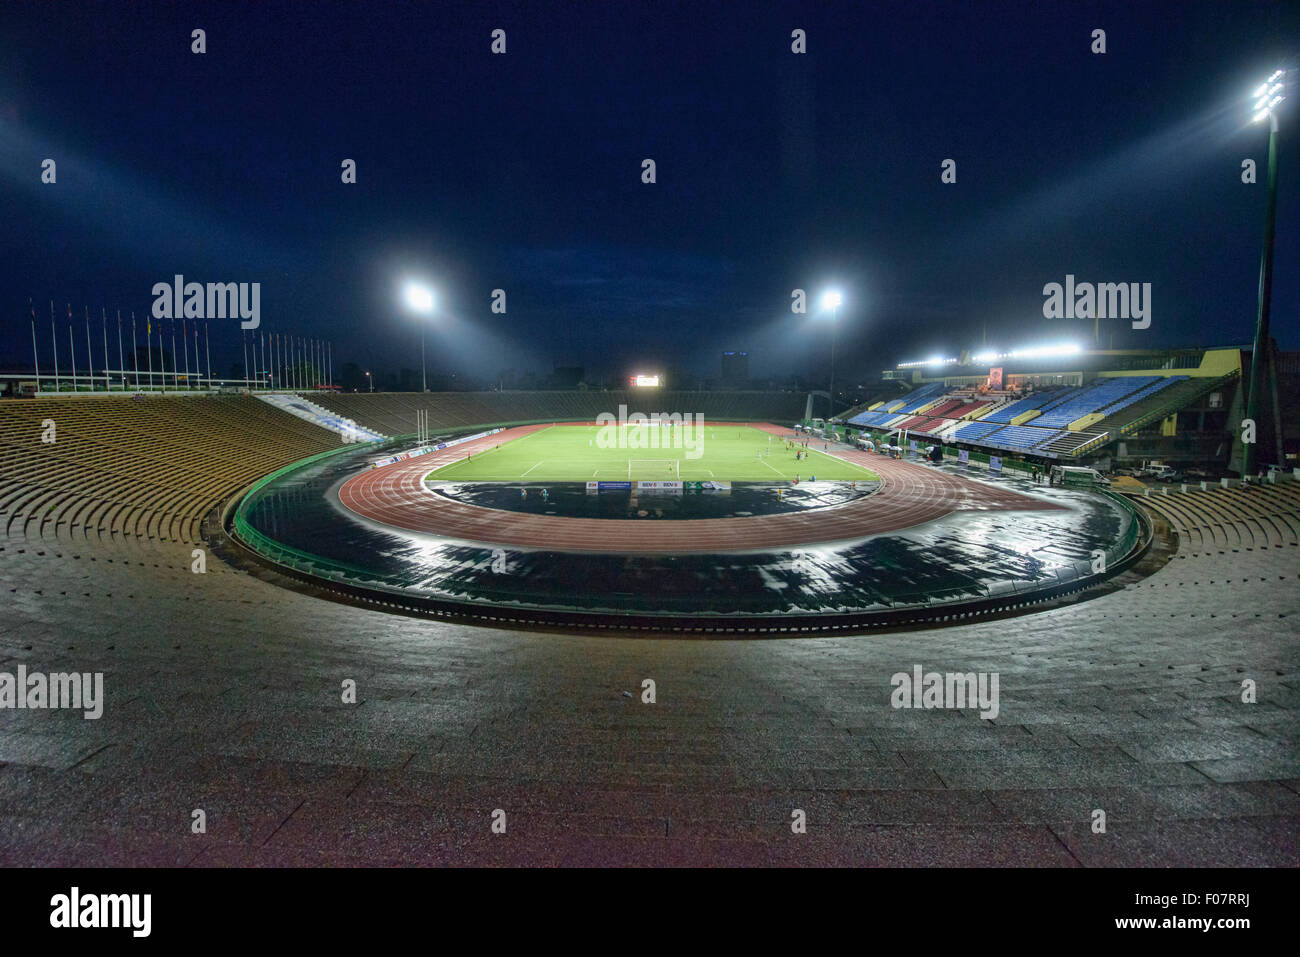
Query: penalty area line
{"x": 535, "y": 466}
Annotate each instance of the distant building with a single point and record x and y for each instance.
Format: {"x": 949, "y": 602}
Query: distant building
{"x": 735, "y": 370}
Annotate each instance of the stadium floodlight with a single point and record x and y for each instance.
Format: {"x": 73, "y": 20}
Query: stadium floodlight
{"x": 1270, "y": 94}
{"x": 831, "y": 300}
{"x": 419, "y": 299}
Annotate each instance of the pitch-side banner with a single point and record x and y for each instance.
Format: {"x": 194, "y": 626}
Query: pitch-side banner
{"x": 425, "y": 450}
{"x": 608, "y": 486}
{"x": 963, "y": 457}
{"x": 995, "y": 463}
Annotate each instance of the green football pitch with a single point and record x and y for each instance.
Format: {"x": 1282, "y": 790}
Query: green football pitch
{"x": 571, "y": 453}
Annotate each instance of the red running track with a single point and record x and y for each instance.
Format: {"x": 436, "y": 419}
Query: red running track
{"x": 909, "y": 495}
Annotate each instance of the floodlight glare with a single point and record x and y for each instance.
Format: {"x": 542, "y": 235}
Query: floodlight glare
{"x": 419, "y": 297}
{"x": 1268, "y": 96}
{"x": 831, "y": 300}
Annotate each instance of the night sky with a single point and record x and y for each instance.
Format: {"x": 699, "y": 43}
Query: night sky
{"x": 523, "y": 172}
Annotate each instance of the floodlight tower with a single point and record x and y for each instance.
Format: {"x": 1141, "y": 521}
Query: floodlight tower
{"x": 1268, "y": 96}
{"x": 419, "y": 299}
{"x": 831, "y": 300}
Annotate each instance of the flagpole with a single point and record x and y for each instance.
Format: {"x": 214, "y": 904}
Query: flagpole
{"x": 72, "y": 348}
{"x": 55, "y": 339}
{"x": 35, "y": 355}
{"x": 207, "y": 353}
{"x": 135, "y": 353}
{"x": 176, "y": 378}
{"x": 121, "y": 360}
{"x": 90, "y": 356}
{"x": 162, "y": 360}
{"x": 103, "y": 325}
{"x": 148, "y": 342}
{"x": 244, "y": 335}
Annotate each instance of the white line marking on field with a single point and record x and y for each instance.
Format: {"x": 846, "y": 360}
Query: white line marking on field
{"x": 776, "y": 470}
{"x": 535, "y": 466}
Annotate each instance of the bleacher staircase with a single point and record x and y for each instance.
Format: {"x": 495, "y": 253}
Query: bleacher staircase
{"x": 305, "y": 409}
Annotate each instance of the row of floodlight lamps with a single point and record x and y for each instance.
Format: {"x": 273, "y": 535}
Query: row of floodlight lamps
{"x": 1270, "y": 93}
{"x": 979, "y": 358}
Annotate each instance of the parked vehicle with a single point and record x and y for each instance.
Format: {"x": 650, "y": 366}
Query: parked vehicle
{"x": 1077, "y": 475}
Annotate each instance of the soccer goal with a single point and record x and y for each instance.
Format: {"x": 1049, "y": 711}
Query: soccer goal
{"x": 652, "y": 470}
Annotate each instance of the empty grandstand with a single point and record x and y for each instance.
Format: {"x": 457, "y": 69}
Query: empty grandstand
{"x": 1105, "y": 402}
{"x": 138, "y": 470}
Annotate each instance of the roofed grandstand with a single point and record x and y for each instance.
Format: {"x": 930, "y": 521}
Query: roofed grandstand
{"x": 1090, "y": 419}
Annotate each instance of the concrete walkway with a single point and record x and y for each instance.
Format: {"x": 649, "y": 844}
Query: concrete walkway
{"x": 223, "y": 693}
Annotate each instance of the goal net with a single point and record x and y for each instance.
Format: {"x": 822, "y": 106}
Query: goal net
{"x": 652, "y": 470}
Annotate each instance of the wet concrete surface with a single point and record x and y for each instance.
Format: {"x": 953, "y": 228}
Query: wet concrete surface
{"x": 574, "y": 500}
{"x": 963, "y": 555}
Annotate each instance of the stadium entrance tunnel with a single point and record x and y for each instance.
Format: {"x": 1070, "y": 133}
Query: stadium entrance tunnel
{"x": 949, "y": 548}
